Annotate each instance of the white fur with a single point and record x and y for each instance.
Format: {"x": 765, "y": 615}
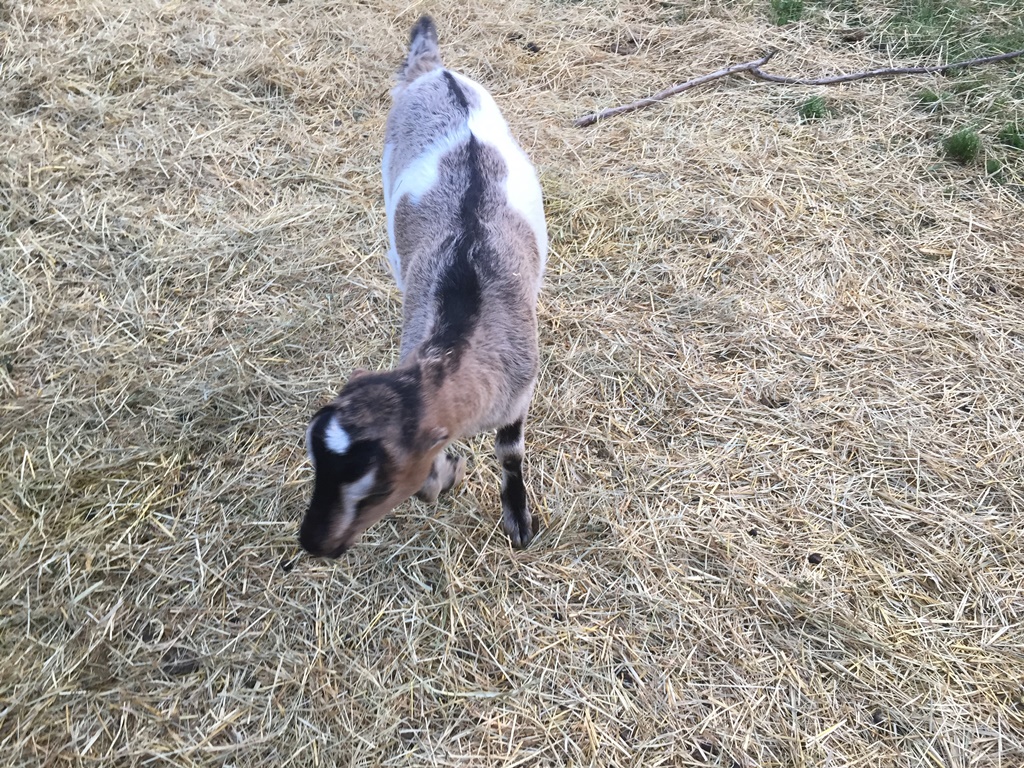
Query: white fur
{"x": 521, "y": 186}
{"x": 336, "y": 438}
{"x": 418, "y": 178}
{"x": 353, "y": 494}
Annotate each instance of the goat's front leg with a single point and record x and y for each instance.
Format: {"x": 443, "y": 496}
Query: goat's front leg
{"x": 446, "y": 472}
{"x": 515, "y": 510}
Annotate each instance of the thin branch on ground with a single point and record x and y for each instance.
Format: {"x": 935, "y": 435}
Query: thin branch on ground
{"x": 754, "y": 68}
{"x": 612, "y": 111}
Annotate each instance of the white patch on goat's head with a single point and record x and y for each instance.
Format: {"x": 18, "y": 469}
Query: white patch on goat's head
{"x": 357, "y": 491}
{"x": 336, "y": 439}
{"x": 351, "y": 496}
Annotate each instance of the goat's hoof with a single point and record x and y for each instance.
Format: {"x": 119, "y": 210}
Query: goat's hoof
{"x": 458, "y": 464}
{"x": 428, "y": 495}
{"x": 521, "y": 527}
{"x": 452, "y": 470}
{"x": 431, "y": 489}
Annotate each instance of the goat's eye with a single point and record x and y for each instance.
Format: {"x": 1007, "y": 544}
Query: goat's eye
{"x": 371, "y": 499}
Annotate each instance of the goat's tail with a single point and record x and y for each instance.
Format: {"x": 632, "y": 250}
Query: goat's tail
{"x": 424, "y": 54}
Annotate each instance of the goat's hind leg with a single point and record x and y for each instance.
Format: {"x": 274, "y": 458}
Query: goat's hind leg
{"x": 516, "y": 519}
{"x": 446, "y": 472}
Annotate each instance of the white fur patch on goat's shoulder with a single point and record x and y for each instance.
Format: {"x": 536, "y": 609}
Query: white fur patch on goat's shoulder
{"x": 414, "y": 180}
{"x": 522, "y": 190}
{"x": 420, "y": 174}
{"x": 336, "y": 439}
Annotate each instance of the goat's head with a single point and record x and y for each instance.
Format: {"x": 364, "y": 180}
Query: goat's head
{"x": 370, "y": 451}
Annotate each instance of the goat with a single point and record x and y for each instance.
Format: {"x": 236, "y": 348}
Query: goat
{"x": 468, "y": 247}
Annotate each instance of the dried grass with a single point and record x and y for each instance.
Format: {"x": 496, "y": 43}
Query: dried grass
{"x": 763, "y": 339}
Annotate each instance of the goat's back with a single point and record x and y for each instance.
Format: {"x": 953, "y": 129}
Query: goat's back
{"x": 452, "y": 169}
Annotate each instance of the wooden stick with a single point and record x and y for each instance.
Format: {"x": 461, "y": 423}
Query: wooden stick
{"x": 754, "y": 68}
{"x": 611, "y": 111}
{"x": 888, "y": 72}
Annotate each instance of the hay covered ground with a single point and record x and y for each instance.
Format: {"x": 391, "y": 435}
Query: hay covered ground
{"x": 776, "y": 450}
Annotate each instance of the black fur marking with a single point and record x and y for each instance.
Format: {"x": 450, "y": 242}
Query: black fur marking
{"x": 456, "y": 91}
{"x": 405, "y": 387}
{"x": 513, "y": 497}
{"x": 457, "y": 300}
{"x": 510, "y": 435}
{"x": 515, "y": 494}
{"x": 408, "y": 389}
{"x": 334, "y": 471}
{"x": 459, "y": 294}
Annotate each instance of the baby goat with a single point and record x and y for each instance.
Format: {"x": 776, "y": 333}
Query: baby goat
{"x": 468, "y": 249}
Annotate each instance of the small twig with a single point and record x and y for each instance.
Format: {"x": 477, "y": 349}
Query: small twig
{"x": 611, "y": 111}
{"x": 754, "y": 68}
{"x": 756, "y": 72}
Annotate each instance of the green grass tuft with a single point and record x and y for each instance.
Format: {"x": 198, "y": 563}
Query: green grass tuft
{"x": 1011, "y": 135}
{"x": 786, "y": 11}
{"x": 963, "y": 146}
{"x": 954, "y": 29}
{"x": 930, "y": 101}
{"x": 815, "y": 108}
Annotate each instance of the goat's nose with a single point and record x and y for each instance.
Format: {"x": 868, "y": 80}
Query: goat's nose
{"x": 309, "y": 542}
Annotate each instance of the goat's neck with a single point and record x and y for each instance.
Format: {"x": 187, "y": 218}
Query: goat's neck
{"x": 455, "y": 397}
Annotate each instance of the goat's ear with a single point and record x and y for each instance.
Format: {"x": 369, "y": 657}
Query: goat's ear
{"x": 358, "y": 373}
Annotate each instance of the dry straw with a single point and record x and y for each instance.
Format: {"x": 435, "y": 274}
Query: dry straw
{"x": 776, "y": 448}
